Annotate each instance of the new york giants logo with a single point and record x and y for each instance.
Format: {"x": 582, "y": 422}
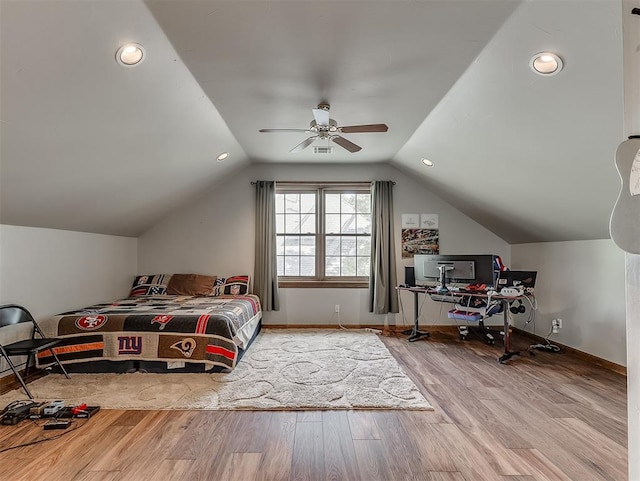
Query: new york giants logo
{"x": 91, "y": 323}
{"x": 129, "y": 344}
{"x": 162, "y": 320}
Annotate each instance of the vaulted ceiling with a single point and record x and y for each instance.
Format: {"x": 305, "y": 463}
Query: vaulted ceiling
{"x": 92, "y": 146}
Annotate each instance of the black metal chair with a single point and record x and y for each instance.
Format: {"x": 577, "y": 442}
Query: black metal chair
{"x": 11, "y": 315}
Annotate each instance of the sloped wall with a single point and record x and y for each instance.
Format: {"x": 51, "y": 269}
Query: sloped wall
{"x": 50, "y": 271}
{"x": 215, "y": 235}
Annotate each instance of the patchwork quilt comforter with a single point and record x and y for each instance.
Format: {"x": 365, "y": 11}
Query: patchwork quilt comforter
{"x": 206, "y": 330}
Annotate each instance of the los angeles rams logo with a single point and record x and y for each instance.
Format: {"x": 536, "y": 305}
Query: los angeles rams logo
{"x": 91, "y": 323}
{"x": 185, "y": 346}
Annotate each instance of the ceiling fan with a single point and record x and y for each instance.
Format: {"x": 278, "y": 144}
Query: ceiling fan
{"x": 323, "y": 127}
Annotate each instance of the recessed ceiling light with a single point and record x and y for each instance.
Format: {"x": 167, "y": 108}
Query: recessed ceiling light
{"x": 545, "y": 63}
{"x": 130, "y": 55}
{"x": 427, "y": 162}
{"x": 222, "y": 156}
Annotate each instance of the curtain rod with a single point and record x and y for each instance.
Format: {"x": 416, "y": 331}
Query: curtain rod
{"x": 338, "y": 182}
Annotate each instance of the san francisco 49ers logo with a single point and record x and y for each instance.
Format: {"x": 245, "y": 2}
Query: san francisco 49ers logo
{"x": 185, "y": 346}
{"x": 91, "y": 323}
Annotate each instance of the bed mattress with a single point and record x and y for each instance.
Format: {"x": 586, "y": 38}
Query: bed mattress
{"x": 195, "y": 329}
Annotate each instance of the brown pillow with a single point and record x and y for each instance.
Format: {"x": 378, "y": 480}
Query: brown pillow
{"x": 191, "y": 285}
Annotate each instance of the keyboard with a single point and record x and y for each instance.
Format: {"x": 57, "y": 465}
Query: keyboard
{"x": 452, "y": 298}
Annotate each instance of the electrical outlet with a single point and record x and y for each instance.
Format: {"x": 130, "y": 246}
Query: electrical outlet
{"x": 337, "y": 308}
{"x": 556, "y": 324}
{"x": 559, "y": 322}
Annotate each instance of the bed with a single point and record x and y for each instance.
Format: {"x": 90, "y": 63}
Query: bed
{"x": 160, "y": 327}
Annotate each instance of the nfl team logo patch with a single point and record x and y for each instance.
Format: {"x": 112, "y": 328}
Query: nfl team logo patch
{"x": 129, "y": 345}
{"x": 185, "y": 346}
{"x": 162, "y": 320}
{"x": 91, "y": 323}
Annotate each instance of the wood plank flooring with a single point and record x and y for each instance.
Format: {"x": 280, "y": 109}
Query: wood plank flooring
{"x": 552, "y": 417}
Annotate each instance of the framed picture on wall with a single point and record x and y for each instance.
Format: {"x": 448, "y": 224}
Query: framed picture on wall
{"x": 420, "y": 241}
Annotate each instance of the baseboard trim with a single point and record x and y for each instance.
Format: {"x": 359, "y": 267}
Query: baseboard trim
{"x": 324, "y": 326}
{"x": 9, "y": 383}
{"x": 452, "y": 329}
{"x": 585, "y": 356}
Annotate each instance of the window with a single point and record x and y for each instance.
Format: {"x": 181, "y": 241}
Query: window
{"x": 324, "y": 234}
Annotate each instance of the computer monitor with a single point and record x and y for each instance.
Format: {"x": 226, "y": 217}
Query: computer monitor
{"x": 460, "y": 269}
{"x": 523, "y": 279}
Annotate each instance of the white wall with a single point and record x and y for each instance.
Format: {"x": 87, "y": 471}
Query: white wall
{"x": 583, "y": 283}
{"x": 631, "y": 36}
{"x": 215, "y": 235}
{"x": 50, "y": 271}
{"x": 633, "y": 359}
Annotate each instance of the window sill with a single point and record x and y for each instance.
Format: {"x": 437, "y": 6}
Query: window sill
{"x": 324, "y": 284}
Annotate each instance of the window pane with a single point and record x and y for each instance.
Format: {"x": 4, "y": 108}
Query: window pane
{"x": 348, "y": 266}
{"x": 364, "y": 245}
{"x": 332, "y": 266}
{"x": 348, "y": 203}
{"x": 332, "y": 246}
{"x": 291, "y": 266}
{"x": 292, "y": 203}
{"x": 292, "y": 245}
{"x": 281, "y": 265}
{"x": 348, "y": 246}
{"x": 363, "y": 224}
{"x": 363, "y": 203}
{"x": 348, "y": 224}
{"x": 307, "y": 266}
{"x": 307, "y": 246}
{"x": 332, "y": 223}
{"x": 308, "y": 224}
{"x": 332, "y": 203}
{"x": 280, "y": 245}
{"x": 280, "y": 224}
{"x": 280, "y": 203}
{"x": 363, "y": 266}
{"x": 308, "y": 203}
{"x": 292, "y": 223}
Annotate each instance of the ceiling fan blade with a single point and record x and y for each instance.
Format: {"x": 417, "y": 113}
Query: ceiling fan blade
{"x": 304, "y": 144}
{"x": 321, "y": 116}
{"x": 347, "y": 144}
{"x": 354, "y": 129}
{"x": 285, "y": 130}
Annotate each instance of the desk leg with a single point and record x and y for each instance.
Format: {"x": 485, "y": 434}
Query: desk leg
{"x": 508, "y": 353}
{"x": 415, "y": 334}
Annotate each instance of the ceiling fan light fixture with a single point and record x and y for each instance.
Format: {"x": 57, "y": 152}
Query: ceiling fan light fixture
{"x": 427, "y": 162}
{"x": 323, "y": 150}
{"x": 130, "y": 54}
{"x": 223, "y": 156}
{"x": 546, "y": 63}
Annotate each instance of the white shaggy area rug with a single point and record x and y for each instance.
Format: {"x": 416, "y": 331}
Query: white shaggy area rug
{"x": 283, "y": 369}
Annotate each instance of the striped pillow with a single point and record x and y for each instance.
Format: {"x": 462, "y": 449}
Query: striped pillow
{"x": 231, "y": 286}
{"x": 150, "y": 285}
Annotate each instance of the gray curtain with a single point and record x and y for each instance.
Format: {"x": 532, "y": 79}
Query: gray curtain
{"x": 383, "y": 297}
{"x": 265, "y": 272}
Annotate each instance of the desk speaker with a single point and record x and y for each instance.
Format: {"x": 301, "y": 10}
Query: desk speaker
{"x": 409, "y": 276}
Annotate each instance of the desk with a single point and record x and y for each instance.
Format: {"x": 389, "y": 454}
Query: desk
{"x": 455, "y": 297}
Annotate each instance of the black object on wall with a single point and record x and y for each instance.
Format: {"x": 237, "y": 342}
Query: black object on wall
{"x": 409, "y": 276}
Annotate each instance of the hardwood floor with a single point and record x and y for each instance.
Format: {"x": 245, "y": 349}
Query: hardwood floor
{"x": 549, "y": 417}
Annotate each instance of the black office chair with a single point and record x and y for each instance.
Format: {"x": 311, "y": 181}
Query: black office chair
{"x": 12, "y": 314}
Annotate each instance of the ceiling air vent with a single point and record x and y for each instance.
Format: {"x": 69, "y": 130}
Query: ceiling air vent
{"x": 323, "y": 150}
